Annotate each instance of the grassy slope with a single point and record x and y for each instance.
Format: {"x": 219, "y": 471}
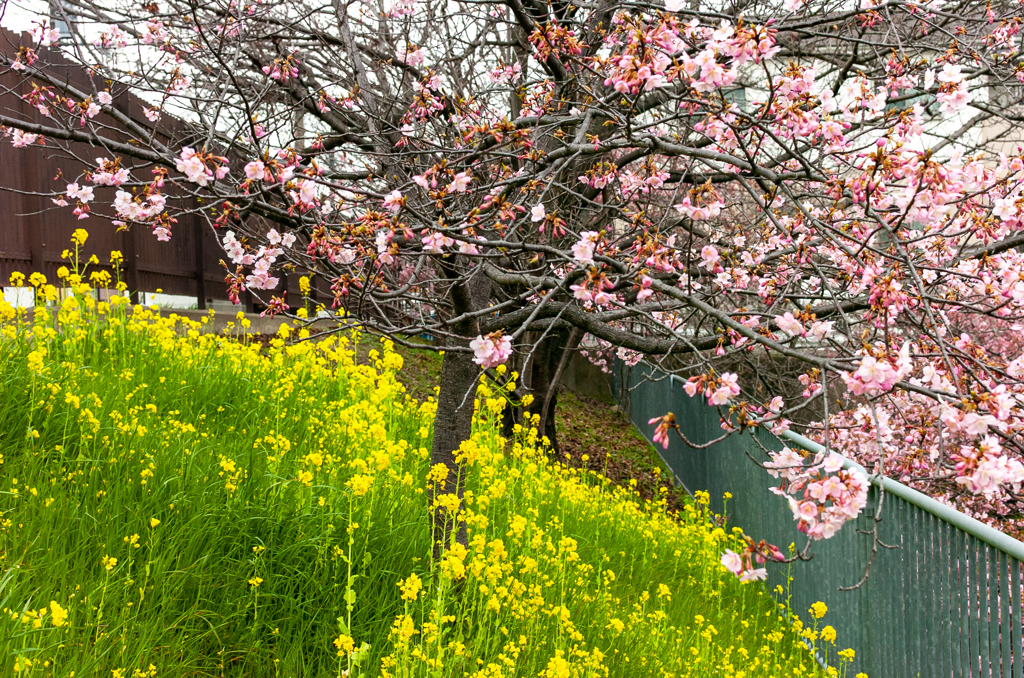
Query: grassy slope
{"x": 286, "y": 487}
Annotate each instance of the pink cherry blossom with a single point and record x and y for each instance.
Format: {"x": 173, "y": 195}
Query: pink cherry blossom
{"x": 414, "y": 57}
{"x": 435, "y": 242}
{"x": 307, "y": 194}
{"x": 709, "y": 257}
{"x": 460, "y": 183}
{"x": 44, "y": 35}
{"x": 254, "y": 170}
{"x": 583, "y": 250}
{"x": 82, "y": 194}
{"x": 491, "y": 351}
{"x": 698, "y": 211}
{"x": 21, "y": 139}
{"x": 664, "y": 425}
{"x": 732, "y": 561}
{"x": 789, "y": 324}
{"x": 393, "y": 201}
{"x": 754, "y": 574}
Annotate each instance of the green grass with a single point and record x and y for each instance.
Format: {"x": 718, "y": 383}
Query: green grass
{"x": 263, "y": 507}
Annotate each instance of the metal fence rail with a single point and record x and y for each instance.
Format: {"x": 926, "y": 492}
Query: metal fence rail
{"x": 947, "y": 601}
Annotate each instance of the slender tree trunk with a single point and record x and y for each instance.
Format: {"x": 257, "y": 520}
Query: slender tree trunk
{"x": 547, "y": 355}
{"x": 548, "y": 424}
{"x": 453, "y": 424}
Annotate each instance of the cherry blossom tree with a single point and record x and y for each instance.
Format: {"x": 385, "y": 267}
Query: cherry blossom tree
{"x": 834, "y": 184}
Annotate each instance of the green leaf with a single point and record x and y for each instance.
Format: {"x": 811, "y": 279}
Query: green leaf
{"x": 359, "y": 655}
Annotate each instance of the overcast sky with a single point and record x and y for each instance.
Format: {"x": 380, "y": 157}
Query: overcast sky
{"x": 17, "y": 14}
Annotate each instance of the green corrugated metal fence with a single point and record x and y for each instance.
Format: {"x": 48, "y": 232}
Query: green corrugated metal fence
{"x": 945, "y": 602}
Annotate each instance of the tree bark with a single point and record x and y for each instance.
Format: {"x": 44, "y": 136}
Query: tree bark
{"x": 453, "y": 421}
{"x": 547, "y": 355}
{"x": 453, "y": 424}
{"x": 548, "y": 424}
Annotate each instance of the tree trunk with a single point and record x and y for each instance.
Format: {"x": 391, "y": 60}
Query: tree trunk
{"x": 453, "y": 423}
{"x": 548, "y": 425}
{"x": 547, "y": 355}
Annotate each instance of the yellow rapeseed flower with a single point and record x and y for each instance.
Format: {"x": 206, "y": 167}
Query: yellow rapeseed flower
{"x": 35, "y": 360}
{"x": 557, "y": 666}
{"x": 79, "y": 236}
{"x": 58, "y": 615}
{"x": 517, "y": 526}
{"x": 411, "y": 587}
{"x": 453, "y": 563}
{"x": 404, "y": 628}
{"x": 345, "y": 645}
{"x": 819, "y": 609}
{"x": 360, "y": 484}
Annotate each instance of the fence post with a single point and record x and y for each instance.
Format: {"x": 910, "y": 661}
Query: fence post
{"x": 314, "y": 298}
{"x": 35, "y": 226}
{"x": 200, "y": 234}
{"x": 36, "y": 169}
{"x": 131, "y": 260}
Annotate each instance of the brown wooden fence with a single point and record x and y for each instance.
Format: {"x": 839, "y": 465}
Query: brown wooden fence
{"x": 34, "y": 232}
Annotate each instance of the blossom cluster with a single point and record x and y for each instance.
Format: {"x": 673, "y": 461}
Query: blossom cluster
{"x": 744, "y": 564}
{"x": 719, "y": 390}
{"x": 261, "y": 260}
{"x": 821, "y": 493}
{"x": 201, "y": 168}
{"x": 491, "y": 351}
